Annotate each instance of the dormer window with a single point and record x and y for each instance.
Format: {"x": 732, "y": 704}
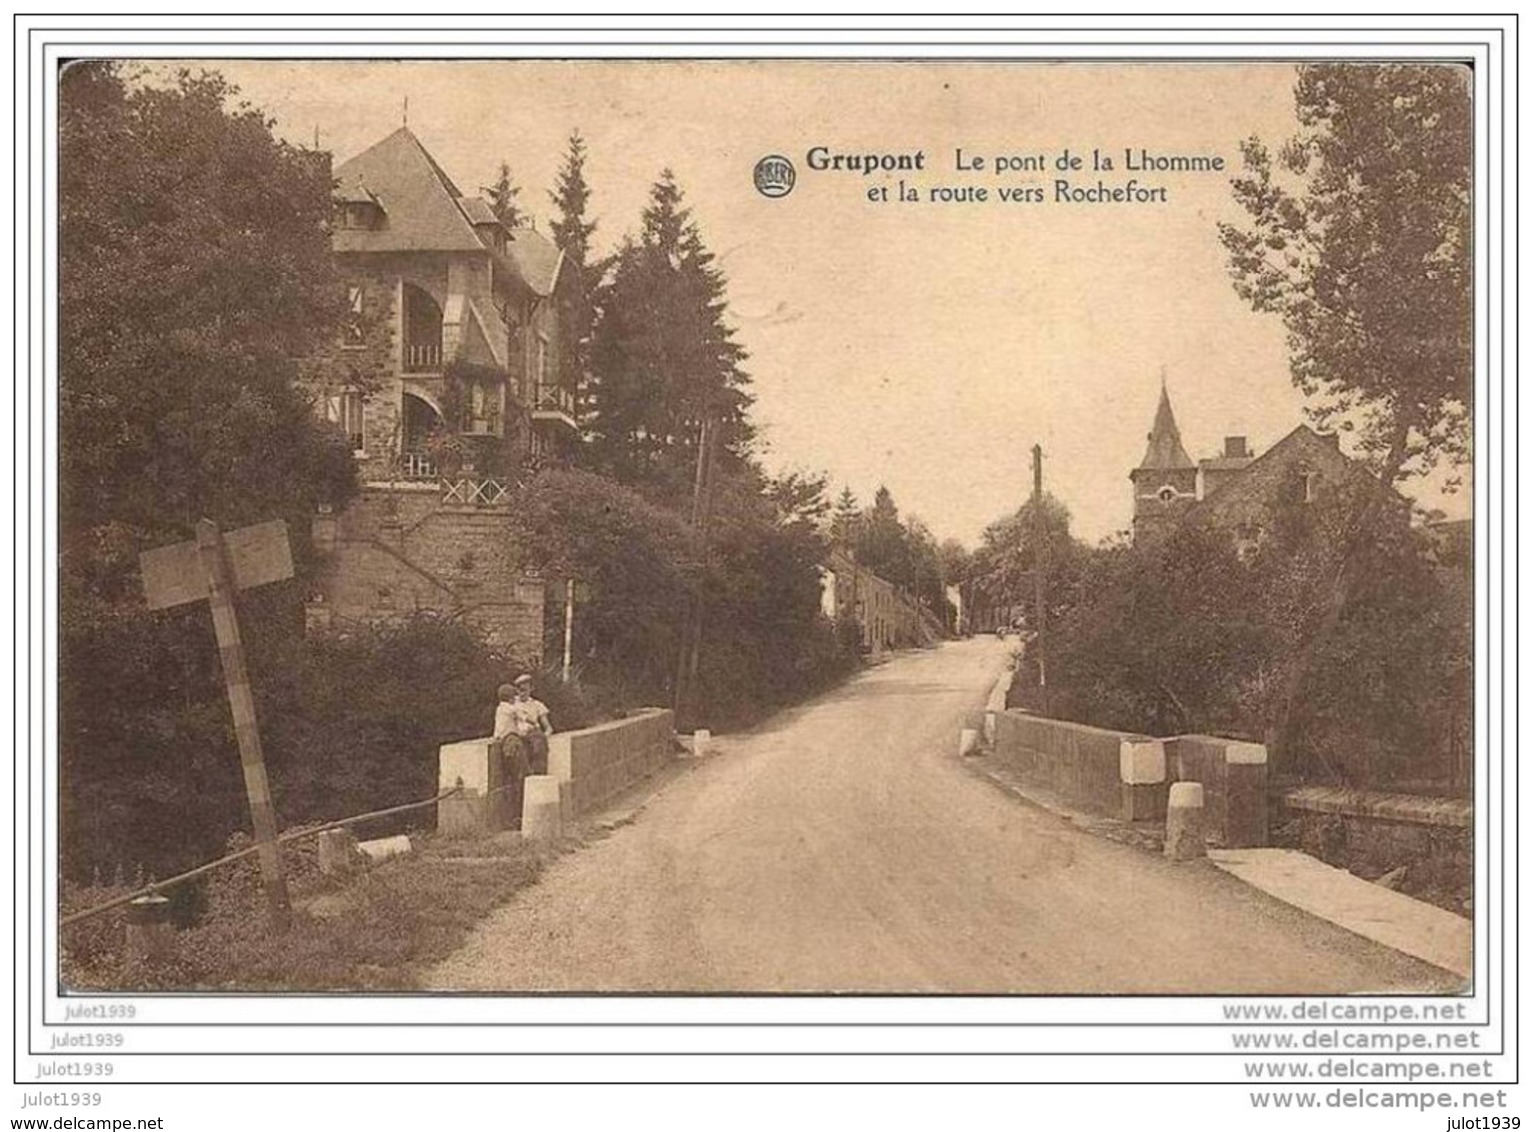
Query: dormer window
{"x": 361, "y": 214}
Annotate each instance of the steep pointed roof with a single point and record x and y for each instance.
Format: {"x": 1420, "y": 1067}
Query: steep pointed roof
{"x": 419, "y": 201}
{"x": 1165, "y": 450}
{"x": 537, "y": 259}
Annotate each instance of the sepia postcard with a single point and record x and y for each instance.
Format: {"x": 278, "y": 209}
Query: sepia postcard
{"x": 760, "y": 527}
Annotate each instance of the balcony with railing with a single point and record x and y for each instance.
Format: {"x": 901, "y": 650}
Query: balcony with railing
{"x": 554, "y": 403}
{"x": 418, "y": 466}
{"x": 423, "y": 357}
{"x": 422, "y": 346}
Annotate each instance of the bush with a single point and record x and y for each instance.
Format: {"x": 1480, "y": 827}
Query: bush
{"x": 350, "y": 722}
{"x": 1183, "y": 635}
{"x": 764, "y": 640}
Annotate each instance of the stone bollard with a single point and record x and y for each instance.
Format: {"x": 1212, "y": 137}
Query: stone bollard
{"x": 338, "y": 853}
{"x": 541, "y": 816}
{"x": 1184, "y": 836}
{"x": 1245, "y": 821}
{"x": 700, "y": 740}
{"x": 1141, "y": 768}
{"x": 148, "y": 929}
{"x": 968, "y": 741}
{"x": 989, "y": 727}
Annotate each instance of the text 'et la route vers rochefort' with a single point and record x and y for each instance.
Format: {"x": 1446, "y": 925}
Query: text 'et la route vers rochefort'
{"x": 1092, "y": 176}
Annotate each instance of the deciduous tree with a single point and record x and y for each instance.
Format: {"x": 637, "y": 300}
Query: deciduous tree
{"x": 1359, "y": 239}
{"x": 194, "y": 272}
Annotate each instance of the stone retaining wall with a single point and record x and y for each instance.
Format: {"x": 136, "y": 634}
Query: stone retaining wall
{"x": 398, "y": 551}
{"x": 1375, "y": 832}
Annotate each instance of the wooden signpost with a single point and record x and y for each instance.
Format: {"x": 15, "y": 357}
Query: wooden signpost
{"x": 210, "y": 568}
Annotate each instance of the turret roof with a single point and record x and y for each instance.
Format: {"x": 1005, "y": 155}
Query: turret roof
{"x": 1165, "y": 450}
{"x": 420, "y": 200}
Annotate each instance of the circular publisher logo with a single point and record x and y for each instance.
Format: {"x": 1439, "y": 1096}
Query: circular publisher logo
{"x": 775, "y": 176}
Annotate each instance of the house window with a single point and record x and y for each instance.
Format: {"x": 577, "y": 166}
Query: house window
{"x": 542, "y": 365}
{"x": 354, "y": 315}
{"x": 483, "y": 412}
{"x": 345, "y": 409}
{"x": 1310, "y": 486}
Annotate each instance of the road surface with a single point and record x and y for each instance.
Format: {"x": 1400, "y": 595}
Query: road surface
{"x": 843, "y": 846}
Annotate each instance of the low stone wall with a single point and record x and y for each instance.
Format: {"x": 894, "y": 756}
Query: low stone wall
{"x": 1107, "y": 772}
{"x": 475, "y": 769}
{"x": 1233, "y": 778}
{"x": 602, "y": 761}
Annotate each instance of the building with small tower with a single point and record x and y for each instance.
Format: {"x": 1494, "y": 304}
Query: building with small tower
{"x": 1238, "y": 491}
{"x": 449, "y": 380}
{"x": 1165, "y": 481}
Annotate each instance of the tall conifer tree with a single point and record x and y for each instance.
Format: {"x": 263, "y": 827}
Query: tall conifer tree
{"x": 572, "y": 232}
{"x": 663, "y": 357}
{"x": 502, "y": 198}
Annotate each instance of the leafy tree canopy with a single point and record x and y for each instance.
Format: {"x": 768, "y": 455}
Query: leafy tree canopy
{"x": 195, "y": 269}
{"x": 1002, "y": 568}
{"x": 1359, "y": 238}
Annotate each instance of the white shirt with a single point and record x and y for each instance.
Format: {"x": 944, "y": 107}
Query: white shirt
{"x": 521, "y": 717}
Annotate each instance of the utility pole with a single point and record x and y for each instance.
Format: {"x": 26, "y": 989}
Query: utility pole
{"x": 691, "y": 626}
{"x": 569, "y": 602}
{"x": 1039, "y": 563}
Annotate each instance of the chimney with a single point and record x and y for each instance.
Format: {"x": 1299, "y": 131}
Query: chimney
{"x": 1234, "y": 448}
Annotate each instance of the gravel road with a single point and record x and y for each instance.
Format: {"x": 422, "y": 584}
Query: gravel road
{"x": 842, "y": 846}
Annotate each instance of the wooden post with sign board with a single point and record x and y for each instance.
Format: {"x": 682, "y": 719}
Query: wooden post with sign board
{"x": 210, "y": 568}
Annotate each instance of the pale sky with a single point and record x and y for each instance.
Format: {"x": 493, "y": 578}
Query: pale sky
{"x": 925, "y": 346}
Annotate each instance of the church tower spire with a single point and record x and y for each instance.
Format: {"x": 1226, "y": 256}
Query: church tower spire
{"x": 1165, "y": 481}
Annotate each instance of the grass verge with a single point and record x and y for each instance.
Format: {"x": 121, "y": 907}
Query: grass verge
{"x": 376, "y": 931}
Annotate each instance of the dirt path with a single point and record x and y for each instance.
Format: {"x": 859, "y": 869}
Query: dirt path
{"x": 843, "y": 847}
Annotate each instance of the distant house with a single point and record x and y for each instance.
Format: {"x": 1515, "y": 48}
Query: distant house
{"x": 1237, "y": 490}
{"x": 448, "y": 378}
{"x": 888, "y": 617}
